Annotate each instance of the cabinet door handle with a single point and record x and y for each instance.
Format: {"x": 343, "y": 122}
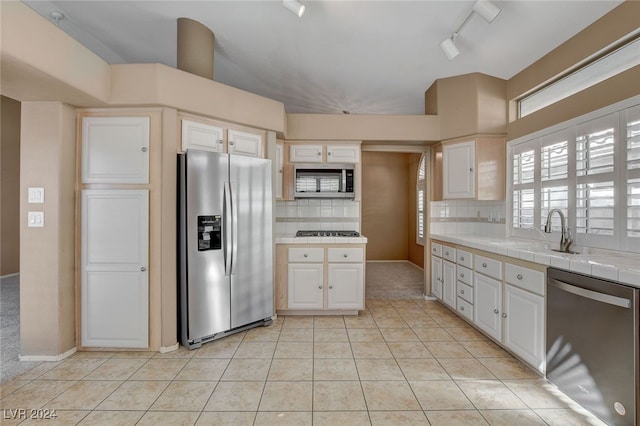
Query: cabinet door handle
{"x": 462, "y": 308}
{"x": 484, "y": 265}
{"x": 330, "y": 287}
{"x": 519, "y": 276}
{"x": 461, "y": 291}
{"x": 446, "y": 253}
{"x": 328, "y": 153}
{"x": 220, "y": 141}
{"x": 319, "y": 287}
{"x": 345, "y": 255}
{"x": 144, "y": 149}
{"x": 230, "y": 142}
{"x": 462, "y": 275}
{"x": 495, "y": 311}
{"x": 306, "y": 255}
{"x": 471, "y": 169}
{"x": 504, "y": 315}
{"x": 319, "y": 153}
{"x": 461, "y": 258}
{"x": 142, "y": 268}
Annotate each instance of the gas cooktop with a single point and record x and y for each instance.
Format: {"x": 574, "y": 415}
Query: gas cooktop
{"x": 327, "y": 234}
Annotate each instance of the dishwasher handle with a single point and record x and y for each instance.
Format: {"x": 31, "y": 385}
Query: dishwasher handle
{"x": 590, "y": 294}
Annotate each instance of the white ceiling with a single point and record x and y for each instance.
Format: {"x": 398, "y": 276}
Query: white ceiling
{"x": 365, "y": 57}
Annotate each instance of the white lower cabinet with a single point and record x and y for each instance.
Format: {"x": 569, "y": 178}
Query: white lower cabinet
{"x": 449, "y": 283}
{"x": 306, "y": 289}
{"x": 436, "y": 277}
{"x": 324, "y": 278}
{"x": 487, "y": 294}
{"x": 502, "y": 299}
{"x": 345, "y": 286}
{"x": 114, "y": 284}
{"x": 524, "y": 325}
{"x": 465, "y": 309}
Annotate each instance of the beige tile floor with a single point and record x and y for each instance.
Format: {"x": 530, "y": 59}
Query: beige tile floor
{"x": 399, "y": 362}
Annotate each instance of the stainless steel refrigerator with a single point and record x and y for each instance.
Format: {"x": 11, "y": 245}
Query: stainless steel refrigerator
{"x": 225, "y": 249}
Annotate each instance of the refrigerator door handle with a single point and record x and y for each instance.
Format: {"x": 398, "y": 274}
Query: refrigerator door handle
{"x": 228, "y": 233}
{"x": 234, "y": 231}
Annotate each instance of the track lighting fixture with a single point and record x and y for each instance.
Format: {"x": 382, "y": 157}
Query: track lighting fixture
{"x": 449, "y": 48}
{"x": 487, "y": 10}
{"x": 294, "y": 7}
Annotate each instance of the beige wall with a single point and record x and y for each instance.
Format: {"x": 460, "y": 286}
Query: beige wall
{"x": 468, "y": 104}
{"x": 360, "y": 127}
{"x": 386, "y": 194}
{"x": 616, "y": 24}
{"x": 47, "y": 254}
{"x": 10, "y": 190}
{"x": 41, "y": 62}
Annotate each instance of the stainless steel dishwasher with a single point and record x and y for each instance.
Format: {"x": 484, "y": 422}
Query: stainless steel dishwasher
{"x": 592, "y": 344}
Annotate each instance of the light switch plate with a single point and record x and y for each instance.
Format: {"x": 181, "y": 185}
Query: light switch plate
{"x": 36, "y": 195}
{"x": 35, "y": 219}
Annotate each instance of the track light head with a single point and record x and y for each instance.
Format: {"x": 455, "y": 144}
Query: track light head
{"x": 294, "y": 6}
{"x": 486, "y": 9}
{"x": 449, "y": 48}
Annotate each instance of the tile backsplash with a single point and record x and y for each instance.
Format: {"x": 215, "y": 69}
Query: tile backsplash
{"x": 454, "y": 217}
{"x": 292, "y": 216}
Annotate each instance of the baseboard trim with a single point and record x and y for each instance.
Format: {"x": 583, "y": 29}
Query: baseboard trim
{"x": 429, "y": 297}
{"x": 395, "y": 261}
{"x": 39, "y": 358}
{"x": 9, "y": 275}
{"x": 165, "y": 349}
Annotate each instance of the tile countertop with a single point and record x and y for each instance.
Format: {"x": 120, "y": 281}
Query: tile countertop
{"x": 617, "y": 266}
{"x": 292, "y": 239}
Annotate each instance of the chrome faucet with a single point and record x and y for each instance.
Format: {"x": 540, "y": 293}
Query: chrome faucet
{"x": 565, "y": 238}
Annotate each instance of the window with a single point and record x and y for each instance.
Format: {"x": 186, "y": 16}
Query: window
{"x": 420, "y": 199}
{"x": 632, "y": 121}
{"x": 554, "y": 177}
{"x": 590, "y": 170}
{"x": 614, "y": 63}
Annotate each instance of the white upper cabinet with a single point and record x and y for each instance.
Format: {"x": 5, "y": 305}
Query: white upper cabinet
{"x": 458, "y": 162}
{"x": 202, "y": 136}
{"x": 306, "y": 154}
{"x": 243, "y": 143}
{"x": 279, "y": 170}
{"x": 343, "y": 154}
{"x": 115, "y": 150}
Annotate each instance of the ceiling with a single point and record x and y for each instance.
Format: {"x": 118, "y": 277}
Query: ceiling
{"x": 362, "y": 57}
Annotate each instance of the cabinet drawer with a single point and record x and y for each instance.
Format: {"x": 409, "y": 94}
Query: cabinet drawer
{"x": 464, "y": 291}
{"x": 490, "y": 267}
{"x": 436, "y": 249}
{"x": 464, "y": 274}
{"x": 465, "y": 309}
{"x": 525, "y": 278}
{"x": 350, "y": 255}
{"x": 315, "y": 254}
{"x": 449, "y": 253}
{"x": 465, "y": 258}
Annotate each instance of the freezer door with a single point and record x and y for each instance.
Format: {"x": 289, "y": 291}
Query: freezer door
{"x": 252, "y": 262}
{"x": 207, "y": 286}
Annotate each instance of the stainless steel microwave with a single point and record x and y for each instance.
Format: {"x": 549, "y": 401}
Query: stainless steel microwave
{"x": 324, "y": 180}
